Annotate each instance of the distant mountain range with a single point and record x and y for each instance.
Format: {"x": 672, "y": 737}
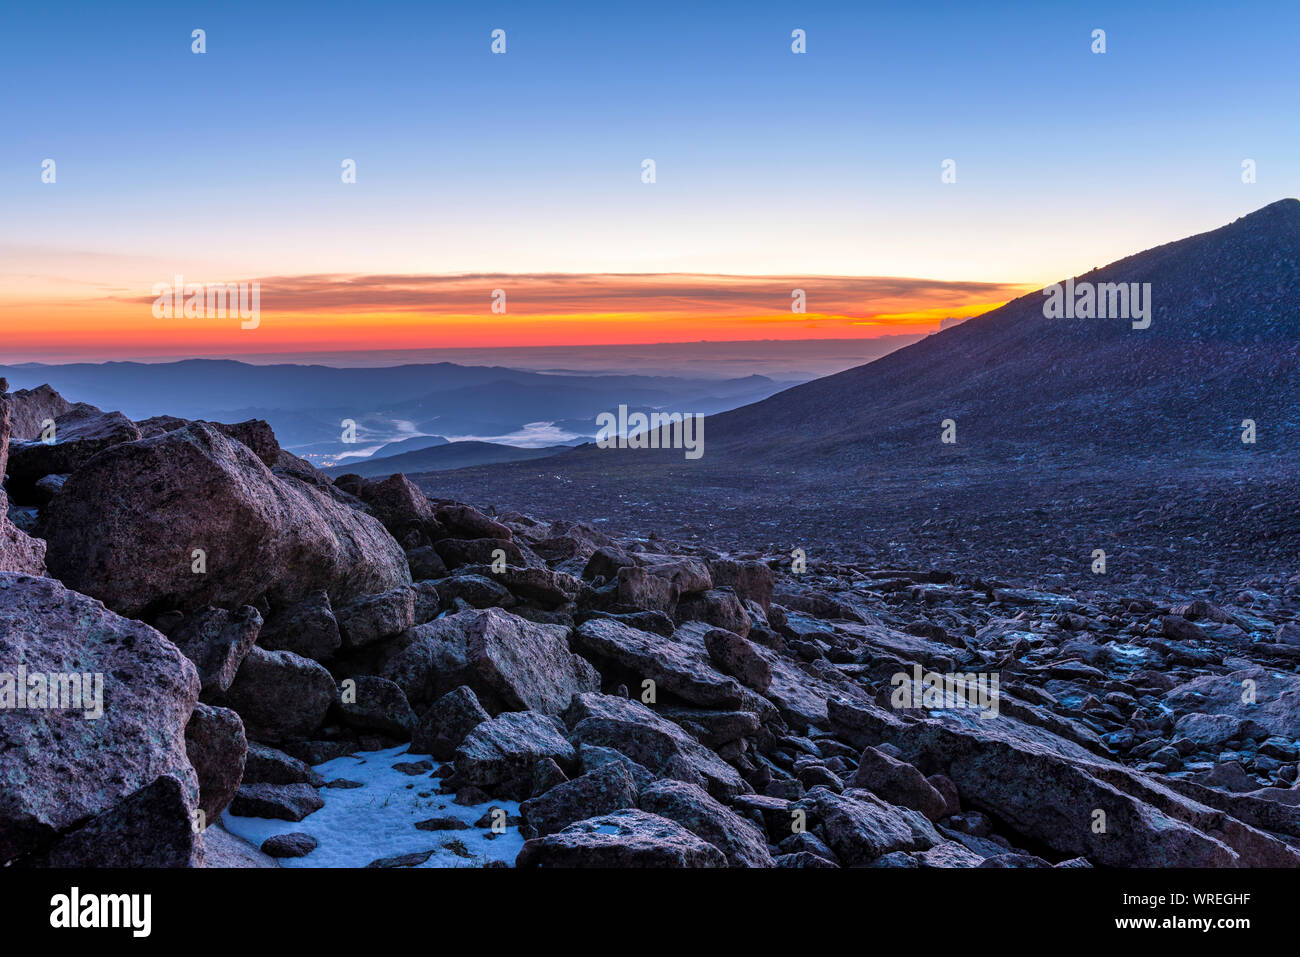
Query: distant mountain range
{"x": 311, "y": 407}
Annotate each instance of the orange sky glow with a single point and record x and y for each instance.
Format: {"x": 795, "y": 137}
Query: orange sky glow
{"x": 340, "y": 312}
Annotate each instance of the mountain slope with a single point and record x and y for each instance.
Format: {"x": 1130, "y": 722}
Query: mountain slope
{"x": 453, "y": 455}
{"x": 1223, "y": 345}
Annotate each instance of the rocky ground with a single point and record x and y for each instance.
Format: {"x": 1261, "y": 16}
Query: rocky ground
{"x": 608, "y": 699}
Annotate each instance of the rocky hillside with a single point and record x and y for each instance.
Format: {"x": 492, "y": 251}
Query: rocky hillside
{"x": 632, "y": 702}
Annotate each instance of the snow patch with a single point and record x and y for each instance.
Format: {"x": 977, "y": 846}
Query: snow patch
{"x": 377, "y": 820}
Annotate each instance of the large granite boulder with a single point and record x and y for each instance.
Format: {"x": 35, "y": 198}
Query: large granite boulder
{"x": 511, "y": 663}
{"x": 191, "y": 518}
{"x": 63, "y": 766}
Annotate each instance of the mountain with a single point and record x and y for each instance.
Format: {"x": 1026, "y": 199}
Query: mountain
{"x": 438, "y": 458}
{"x": 1069, "y": 432}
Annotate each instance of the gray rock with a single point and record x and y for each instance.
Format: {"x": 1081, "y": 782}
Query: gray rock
{"x": 149, "y": 828}
{"x": 375, "y": 617}
{"x": 688, "y": 805}
{"x": 679, "y": 667}
{"x": 281, "y": 696}
{"x": 379, "y": 706}
{"x": 216, "y": 746}
{"x": 606, "y": 788}
{"x": 296, "y": 844}
{"x": 61, "y": 768}
{"x": 284, "y": 802}
{"x": 499, "y": 755}
{"x": 307, "y": 628}
{"x": 510, "y": 662}
{"x": 127, "y": 523}
{"x": 216, "y": 640}
{"x": 631, "y": 728}
{"x": 627, "y": 838}
{"x": 444, "y": 725}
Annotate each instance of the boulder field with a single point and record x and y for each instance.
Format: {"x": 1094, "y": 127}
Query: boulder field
{"x": 191, "y": 618}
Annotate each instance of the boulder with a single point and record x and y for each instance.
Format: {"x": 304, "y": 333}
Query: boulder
{"x": 149, "y": 828}
{"x": 444, "y": 725}
{"x": 605, "y": 788}
{"x": 404, "y": 510}
{"x": 750, "y": 580}
{"x": 1208, "y": 730}
{"x": 265, "y": 765}
{"x": 60, "y": 767}
{"x": 859, "y": 827}
{"x": 375, "y": 617}
{"x": 31, "y": 409}
{"x": 379, "y": 705}
{"x": 592, "y": 756}
{"x": 499, "y": 755}
{"x": 1276, "y": 708}
{"x": 626, "y": 838}
{"x": 681, "y": 668}
{"x": 279, "y": 695}
{"x": 465, "y": 521}
{"x": 283, "y": 802}
{"x": 477, "y": 591}
{"x": 458, "y": 552}
{"x": 736, "y": 656}
{"x": 425, "y": 563}
{"x": 688, "y": 574}
{"x": 216, "y": 746}
{"x": 307, "y": 628}
{"x": 128, "y": 524}
{"x": 718, "y": 607}
{"x": 743, "y": 844}
{"x": 296, "y": 844}
{"x": 631, "y": 728}
{"x": 898, "y": 783}
{"x": 19, "y": 552}
{"x": 638, "y": 590}
{"x": 216, "y": 641}
{"x": 605, "y": 562}
{"x": 1049, "y": 789}
{"x": 80, "y": 433}
{"x": 510, "y": 662}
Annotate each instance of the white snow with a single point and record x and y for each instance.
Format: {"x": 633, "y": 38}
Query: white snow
{"x": 360, "y": 825}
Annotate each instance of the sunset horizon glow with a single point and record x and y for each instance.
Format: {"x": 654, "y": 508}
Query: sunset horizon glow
{"x": 315, "y": 313}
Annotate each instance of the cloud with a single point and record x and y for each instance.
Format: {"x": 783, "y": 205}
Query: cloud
{"x": 575, "y": 294}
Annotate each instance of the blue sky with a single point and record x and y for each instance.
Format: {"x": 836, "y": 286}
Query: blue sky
{"x": 767, "y": 162}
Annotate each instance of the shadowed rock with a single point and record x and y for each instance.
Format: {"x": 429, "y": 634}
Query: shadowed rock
{"x": 688, "y": 805}
{"x": 279, "y": 695}
{"x": 149, "y": 828}
{"x": 216, "y": 746}
{"x": 627, "y": 838}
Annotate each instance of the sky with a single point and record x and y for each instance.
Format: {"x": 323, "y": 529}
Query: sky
{"x": 523, "y": 171}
